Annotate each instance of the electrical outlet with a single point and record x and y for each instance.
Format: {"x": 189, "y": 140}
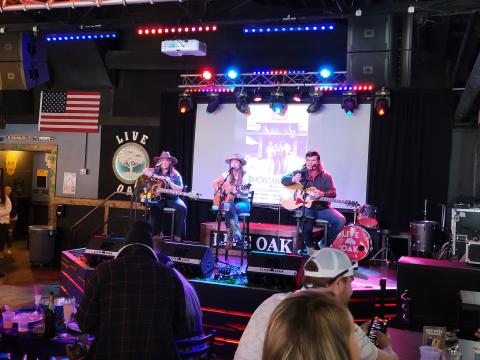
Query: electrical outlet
{"x": 83, "y": 171}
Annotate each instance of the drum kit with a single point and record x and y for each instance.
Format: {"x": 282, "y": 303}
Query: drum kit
{"x": 355, "y": 240}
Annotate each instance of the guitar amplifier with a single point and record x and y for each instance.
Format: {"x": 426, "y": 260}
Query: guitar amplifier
{"x": 275, "y": 270}
{"x": 465, "y": 227}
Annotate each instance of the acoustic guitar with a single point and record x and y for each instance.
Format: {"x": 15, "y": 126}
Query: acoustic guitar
{"x": 151, "y": 188}
{"x": 226, "y": 193}
{"x": 292, "y": 198}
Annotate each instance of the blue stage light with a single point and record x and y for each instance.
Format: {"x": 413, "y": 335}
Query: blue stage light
{"x": 232, "y": 74}
{"x": 325, "y": 73}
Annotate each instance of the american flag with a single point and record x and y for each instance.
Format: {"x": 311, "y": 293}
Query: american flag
{"x": 70, "y": 111}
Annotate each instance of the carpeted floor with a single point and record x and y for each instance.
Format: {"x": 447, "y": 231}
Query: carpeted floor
{"x": 17, "y": 286}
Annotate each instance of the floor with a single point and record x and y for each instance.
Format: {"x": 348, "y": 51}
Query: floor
{"x": 17, "y": 286}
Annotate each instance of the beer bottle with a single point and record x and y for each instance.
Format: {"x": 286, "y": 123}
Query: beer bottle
{"x": 50, "y": 321}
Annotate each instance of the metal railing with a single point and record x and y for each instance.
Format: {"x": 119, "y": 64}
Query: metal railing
{"x": 74, "y": 227}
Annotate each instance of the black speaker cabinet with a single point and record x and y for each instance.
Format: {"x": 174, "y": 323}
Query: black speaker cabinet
{"x": 23, "y": 62}
{"x": 370, "y": 33}
{"x": 101, "y": 248}
{"x": 192, "y": 260}
{"x": 274, "y": 270}
{"x": 370, "y": 67}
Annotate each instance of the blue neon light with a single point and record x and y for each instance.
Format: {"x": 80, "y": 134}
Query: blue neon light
{"x": 269, "y": 29}
{"x": 73, "y": 37}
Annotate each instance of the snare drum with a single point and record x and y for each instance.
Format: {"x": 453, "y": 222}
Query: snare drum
{"x": 354, "y": 241}
{"x": 367, "y": 216}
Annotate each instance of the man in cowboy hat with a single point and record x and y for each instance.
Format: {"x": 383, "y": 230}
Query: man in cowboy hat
{"x": 230, "y": 186}
{"x": 169, "y": 178}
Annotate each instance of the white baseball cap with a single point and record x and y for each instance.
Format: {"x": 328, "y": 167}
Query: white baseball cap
{"x": 333, "y": 264}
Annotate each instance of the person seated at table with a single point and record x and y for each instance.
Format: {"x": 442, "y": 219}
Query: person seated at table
{"x": 133, "y": 304}
{"x": 310, "y": 326}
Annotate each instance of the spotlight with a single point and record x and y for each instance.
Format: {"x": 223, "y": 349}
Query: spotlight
{"x": 241, "y": 102}
{"x": 257, "y": 97}
{"x": 213, "y": 102}
{"x": 207, "y": 74}
{"x": 325, "y": 73}
{"x": 232, "y": 74}
{"x": 382, "y": 102}
{"x": 277, "y": 102}
{"x": 316, "y": 102}
{"x": 184, "y": 103}
{"x": 297, "y": 97}
{"x": 349, "y": 103}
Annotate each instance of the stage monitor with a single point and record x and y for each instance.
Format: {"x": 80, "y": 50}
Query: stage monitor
{"x": 275, "y": 144}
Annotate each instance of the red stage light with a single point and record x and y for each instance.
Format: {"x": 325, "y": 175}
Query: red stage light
{"x": 193, "y": 29}
{"x": 140, "y": 31}
{"x": 160, "y": 30}
{"x": 183, "y": 109}
{"x": 214, "y": 28}
{"x": 207, "y": 74}
{"x": 200, "y": 28}
{"x": 166, "y": 31}
{"x": 179, "y": 30}
{"x": 186, "y": 29}
{"x": 207, "y": 28}
{"x": 154, "y": 31}
{"x": 173, "y": 30}
{"x": 147, "y": 31}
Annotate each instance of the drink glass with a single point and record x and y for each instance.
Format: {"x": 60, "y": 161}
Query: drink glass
{"x": 8, "y": 317}
{"x": 37, "y": 294}
{"x": 451, "y": 341}
{"x": 429, "y": 353}
{"x": 68, "y": 308}
{"x": 22, "y": 320}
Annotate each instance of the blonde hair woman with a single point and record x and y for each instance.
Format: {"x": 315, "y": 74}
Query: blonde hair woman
{"x": 310, "y": 325}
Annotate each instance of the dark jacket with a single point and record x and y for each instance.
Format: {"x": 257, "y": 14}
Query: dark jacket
{"x": 323, "y": 182}
{"x": 134, "y": 306}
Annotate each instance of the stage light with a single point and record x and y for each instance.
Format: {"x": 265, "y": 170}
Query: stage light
{"x": 257, "y": 97}
{"x": 382, "y": 102}
{"x": 241, "y": 102}
{"x": 316, "y": 102}
{"x": 232, "y": 74}
{"x": 184, "y": 103}
{"x": 207, "y": 74}
{"x": 213, "y": 102}
{"x": 80, "y": 36}
{"x": 295, "y": 28}
{"x": 349, "y": 103}
{"x": 297, "y": 97}
{"x": 325, "y": 73}
{"x": 277, "y": 101}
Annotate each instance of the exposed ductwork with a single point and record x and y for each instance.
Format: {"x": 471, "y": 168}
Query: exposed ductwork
{"x": 468, "y": 103}
{"x": 24, "y": 5}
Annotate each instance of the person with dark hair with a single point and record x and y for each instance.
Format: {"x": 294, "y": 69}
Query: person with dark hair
{"x": 169, "y": 178}
{"x": 310, "y": 326}
{"x": 313, "y": 174}
{"x": 133, "y": 304}
{"x": 327, "y": 271}
{"x": 236, "y": 201}
{"x": 5, "y": 209}
{"x": 13, "y": 217}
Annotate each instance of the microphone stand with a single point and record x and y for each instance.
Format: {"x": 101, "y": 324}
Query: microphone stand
{"x": 219, "y": 216}
{"x": 303, "y": 218}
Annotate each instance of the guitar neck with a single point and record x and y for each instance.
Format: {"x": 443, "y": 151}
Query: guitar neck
{"x": 327, "y": 199}
{"x": 173, "y": 192}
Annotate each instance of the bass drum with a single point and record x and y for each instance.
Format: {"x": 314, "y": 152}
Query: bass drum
{"x": 367, "y": 216}
{"x": 354, "y": 241}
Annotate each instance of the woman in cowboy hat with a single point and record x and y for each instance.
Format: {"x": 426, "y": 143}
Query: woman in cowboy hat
{"x": 164, "y": 170}
{"x": 231, "y": 187}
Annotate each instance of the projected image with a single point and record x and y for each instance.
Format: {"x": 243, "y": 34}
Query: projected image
{"x": 275, "y": 144}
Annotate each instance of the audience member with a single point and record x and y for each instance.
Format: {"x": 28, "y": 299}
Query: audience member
{"x": 5, "y": 209}
{"x": 310, "y": 325}
{"x": 13, "y": 218}
{"x": 328, "y": 270}
{"x": 134, "y": 305}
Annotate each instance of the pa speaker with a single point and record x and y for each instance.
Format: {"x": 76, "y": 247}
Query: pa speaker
{"x": 23, "y": 62}
{"x": 370, "y": 33}
{"x": 274, "y": 270}
{"x": 192, "y": 260}
{"x": 370, "y": 67}
{"x": 104, "y": 246}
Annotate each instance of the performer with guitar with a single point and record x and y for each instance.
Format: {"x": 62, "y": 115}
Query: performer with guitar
{"x": 230, "y": 189}
{"x": 313, "y": 175}
{"x": 170, "y": 178}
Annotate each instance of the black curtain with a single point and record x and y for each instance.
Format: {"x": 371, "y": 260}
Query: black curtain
{"x": 409, "y": 157}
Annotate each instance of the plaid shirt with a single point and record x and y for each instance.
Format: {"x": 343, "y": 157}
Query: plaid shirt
{"x": 135, "y": 307}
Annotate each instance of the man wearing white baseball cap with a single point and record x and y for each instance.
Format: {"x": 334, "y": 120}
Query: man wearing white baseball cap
{"x": 328, "y": 270}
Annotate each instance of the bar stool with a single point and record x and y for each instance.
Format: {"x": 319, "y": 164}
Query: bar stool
{"x": 324, "y": 224}
{"x": 171, "y": 212}
{"x": 245, "y": 218}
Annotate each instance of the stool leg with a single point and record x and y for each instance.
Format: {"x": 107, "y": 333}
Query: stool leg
{"x": 172, "y": 225}
{"x": 243, "y": 240}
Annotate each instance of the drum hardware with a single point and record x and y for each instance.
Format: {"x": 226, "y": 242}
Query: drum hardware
{"x": 354, "y": 241}
{"x": 386, "y": 250}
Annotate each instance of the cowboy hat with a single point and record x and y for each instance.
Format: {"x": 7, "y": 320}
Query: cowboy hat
{"x": 165, "y": 155}
{"x": 237, "y": 156}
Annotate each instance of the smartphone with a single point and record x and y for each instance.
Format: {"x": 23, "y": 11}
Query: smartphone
{"x": 377, "y": 324}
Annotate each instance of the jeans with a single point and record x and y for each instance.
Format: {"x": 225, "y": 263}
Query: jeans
{"x": 3, "y": 236}
{"x": 235, "y": 209}
{"x": 336, "y": 222}
{"x": 180, "y": 216}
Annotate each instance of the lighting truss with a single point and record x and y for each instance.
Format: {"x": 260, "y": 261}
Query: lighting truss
{"x": 258, "y": 80}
